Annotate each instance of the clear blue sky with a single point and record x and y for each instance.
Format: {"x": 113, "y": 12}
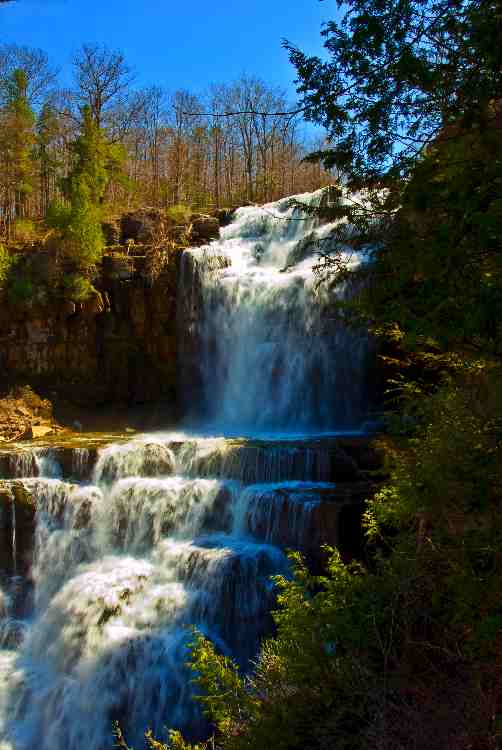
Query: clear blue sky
{"x": 174, "y": 43}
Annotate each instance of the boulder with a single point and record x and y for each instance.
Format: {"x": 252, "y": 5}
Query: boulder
{"x": 142, "y": 226}
{"x": 111, "y": 231}
{"x": 225, "y": 216}
{"x": 204, "y": 228}
{"x": 40, "y": 431}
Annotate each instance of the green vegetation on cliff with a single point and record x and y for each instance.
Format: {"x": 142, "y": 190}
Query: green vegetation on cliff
{"x": 95, "y": 159}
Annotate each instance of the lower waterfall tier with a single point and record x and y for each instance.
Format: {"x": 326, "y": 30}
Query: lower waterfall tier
{"x": 110, "y": 559}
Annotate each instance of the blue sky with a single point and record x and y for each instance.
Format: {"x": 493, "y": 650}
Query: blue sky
{"x": 175, "y": 44}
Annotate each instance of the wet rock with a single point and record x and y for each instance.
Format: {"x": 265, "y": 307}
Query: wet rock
{"x": 224, "y": 216}
{"x": 343, "y": 467}
{"x": 17, "y": 512}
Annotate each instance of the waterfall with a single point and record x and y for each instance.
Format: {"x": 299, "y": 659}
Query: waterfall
{"x": 133, "y": 543}
{"x": 263, "y": 349}
{"x": 121, "y": 569}
{"x": 14, "y": 536}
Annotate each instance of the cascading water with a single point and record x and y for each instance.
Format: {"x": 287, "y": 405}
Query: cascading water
{"x": 175, "y": 530}
{"x": 268, "y": 354}
{"x": 120, "y": 569}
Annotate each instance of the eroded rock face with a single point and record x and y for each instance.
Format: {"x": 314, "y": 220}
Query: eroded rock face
{"x": 17, "y": 527}
{"x": 117, "y": 346}
{"x": 204, "y": 228}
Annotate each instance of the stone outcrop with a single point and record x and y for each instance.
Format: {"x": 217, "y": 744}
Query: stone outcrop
{"x": 147, "y": 226}
{"x": 24, "y": 415}
{"x": 17, "y": 513}
{"x": 144, "y": 226}
{"x": 118, "y": 345}
{"x": 204, "y": 228}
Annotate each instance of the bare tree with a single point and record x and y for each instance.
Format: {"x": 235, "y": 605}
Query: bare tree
{"x": 183, "y": 127}
{"x": 40, "y": 74}
{"x": 154, "y": 117}
{"x": 103, "y": 82}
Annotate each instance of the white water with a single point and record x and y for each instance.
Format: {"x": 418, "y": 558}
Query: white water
{"x": 175, "y": 530}
{"x": 120, "y": 569}
{"x": 269, "y": 352}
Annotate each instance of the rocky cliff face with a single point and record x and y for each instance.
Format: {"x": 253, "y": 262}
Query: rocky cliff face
{"x": 117, "y": 346}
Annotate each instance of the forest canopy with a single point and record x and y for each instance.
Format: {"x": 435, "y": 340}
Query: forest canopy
{"x": 176, "y": 147}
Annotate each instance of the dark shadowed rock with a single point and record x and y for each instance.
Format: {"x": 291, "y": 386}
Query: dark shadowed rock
{"x": 142, "y": 226}
{"x": 204, "y": 228}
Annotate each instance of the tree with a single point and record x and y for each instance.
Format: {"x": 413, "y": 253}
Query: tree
{"x": 94, "y": 161}
{"x": 40, "y": 74}
{"x": 48, "y": 128}
{"x": 398, "y": 73}
{"x": 103, "y": 81}
{"x": 16, "y": 142}
{"x": 411, "y": 99}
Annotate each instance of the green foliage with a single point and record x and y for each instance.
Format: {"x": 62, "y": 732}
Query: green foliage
{"x": 20, "y": 290}
{"x": 438, "y": 272}
{"x": 16, "y": 141}
{"x": 80, "y": 227}
{"x": 24, "y": 230}
{"x": 175, "y": 742}
{"x": 179, "y": 214}
{"x": 77, "y": 288}
{"x": 5, "y": 264}
{"x": 95, "y": 160}
{"x": 223, "y": 695}
{"x": 396, "y": 74}
{"x": 460, "y": 430}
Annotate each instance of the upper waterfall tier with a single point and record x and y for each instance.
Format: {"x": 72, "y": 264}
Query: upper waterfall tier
{"x": 261, "y": 348}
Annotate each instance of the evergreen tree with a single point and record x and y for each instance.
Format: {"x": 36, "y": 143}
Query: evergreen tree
{"x": 94, "y": 161}
{"x": 17, "y": 139}
{"x": 411, "y": 96}
{"x": 397, "y": 74}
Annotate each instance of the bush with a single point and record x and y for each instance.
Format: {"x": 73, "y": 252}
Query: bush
{"x": 179, "y": 214}
{"x": 24, "y": 230}
{"x": 77, "y": 288}
{"x": 82, "y": 239}
{"x": 5, "y": 264}
{"x": 19, "y": 290}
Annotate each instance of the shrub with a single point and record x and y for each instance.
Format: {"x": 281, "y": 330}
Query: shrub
{"x": 19, "y": 290}
{"x": 5, "y": 264}
{"x": 82, "y": 239}
{"x": 179, "y": 214}
{"x": 77, "y": 288}
{"x": 24, "y": 230}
